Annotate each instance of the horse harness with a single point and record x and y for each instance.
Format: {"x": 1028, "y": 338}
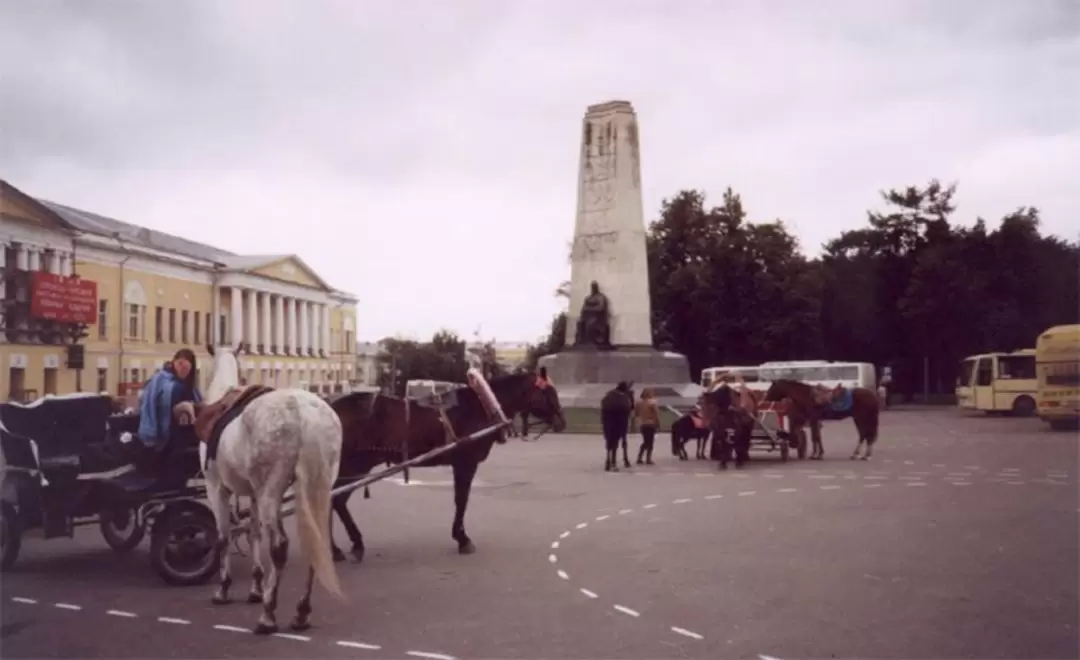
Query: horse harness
{"x": 211, "y": 419}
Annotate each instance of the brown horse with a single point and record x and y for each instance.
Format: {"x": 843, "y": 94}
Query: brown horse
{"x": 810, "y": 405}
{"x": 380, "y": 429}
{"x": 727, "y": 408}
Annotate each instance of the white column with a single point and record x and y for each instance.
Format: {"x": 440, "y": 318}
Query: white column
{"x": 326, "y": 329}
{"x": 67, "y": 264}
{"x": 293, "y": 343}
{"x": 252, "y": 337}
{"x": 305, "y": 327}
{"x": 316, "y": 328}
{"x": 22, "y": 258}
{"x": 236, "y": 299}
{"x": 35, "y": 259}
{"x": 267, "y": 332}
{"x": 279, "y": 324}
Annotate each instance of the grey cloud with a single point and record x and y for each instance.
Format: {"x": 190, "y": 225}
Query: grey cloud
{"x": 449, "y": 130}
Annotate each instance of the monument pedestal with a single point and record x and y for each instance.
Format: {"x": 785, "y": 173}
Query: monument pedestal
{"x": 583, "y": 375}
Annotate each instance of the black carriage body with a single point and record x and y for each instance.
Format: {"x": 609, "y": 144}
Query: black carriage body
{"x": 45, "y": 486}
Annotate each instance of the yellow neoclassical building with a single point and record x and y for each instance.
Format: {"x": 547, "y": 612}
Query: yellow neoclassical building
{"x": 137, "y": 295}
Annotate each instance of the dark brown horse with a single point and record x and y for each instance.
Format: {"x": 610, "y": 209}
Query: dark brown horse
{"x": 723, "y": 410}
{"x": 379, "y": 429}
{"x": 810, "y": 405}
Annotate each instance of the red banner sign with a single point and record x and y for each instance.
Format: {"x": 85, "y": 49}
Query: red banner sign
{"x": 63, "y": 299}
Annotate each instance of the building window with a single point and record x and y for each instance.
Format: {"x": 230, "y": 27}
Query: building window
{"x": 159, "y": 325}
{"x": 102, "y": 380}
{"x": 348, "y": 342}
{"x": 183, "y": 327}
{"x": 209, "y": 335}
{"x": 136, "y": 321}
{"x": 222, "y": 326}
{"x": 195, "y": 328}
{"x": 103, "y": 319}
{"x": 172, "y": 326}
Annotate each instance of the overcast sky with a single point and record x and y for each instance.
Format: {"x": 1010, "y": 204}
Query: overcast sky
{"x": 423, "y": 154}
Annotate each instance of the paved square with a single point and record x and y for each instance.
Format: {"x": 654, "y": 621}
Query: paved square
{"x": 958, "y": 539}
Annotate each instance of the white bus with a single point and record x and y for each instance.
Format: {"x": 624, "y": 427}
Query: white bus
{"x": 813, "y": 372}
{"x": 749, "y": 375}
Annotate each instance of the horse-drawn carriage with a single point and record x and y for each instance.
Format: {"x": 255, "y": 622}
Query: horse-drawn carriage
{"x": 772, "y": 431}
{"x": 56, "y": 476}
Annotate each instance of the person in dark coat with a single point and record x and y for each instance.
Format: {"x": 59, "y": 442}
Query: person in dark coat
{"x": 615, "y": 409}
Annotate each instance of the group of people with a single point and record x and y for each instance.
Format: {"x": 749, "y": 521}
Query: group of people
{"x": 619, "y": 415}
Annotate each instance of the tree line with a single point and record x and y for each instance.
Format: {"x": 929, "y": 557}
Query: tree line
{"x": 912, "y": 287}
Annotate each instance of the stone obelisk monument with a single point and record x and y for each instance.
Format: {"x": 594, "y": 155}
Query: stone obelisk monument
{"x": 609, "y": 323}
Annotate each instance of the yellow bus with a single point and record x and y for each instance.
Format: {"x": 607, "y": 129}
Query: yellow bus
{"x": 998, "y": 382}
{"x": 1057, "y": 358}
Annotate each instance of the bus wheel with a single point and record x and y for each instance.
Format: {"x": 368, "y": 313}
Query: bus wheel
{"x": 1024, "y": 406}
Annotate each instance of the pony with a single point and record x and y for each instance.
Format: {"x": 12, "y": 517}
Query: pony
{"x": 811, "y": 404}
{"x": 690, "y": 426}
{"x": 278, "y": 438}
{"x": 379, "y": 429}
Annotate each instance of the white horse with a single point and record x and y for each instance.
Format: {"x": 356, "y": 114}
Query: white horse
{"x": 281, "y": 437}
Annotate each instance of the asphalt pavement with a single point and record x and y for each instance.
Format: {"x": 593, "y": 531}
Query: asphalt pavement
{"x": 958, "y": 539}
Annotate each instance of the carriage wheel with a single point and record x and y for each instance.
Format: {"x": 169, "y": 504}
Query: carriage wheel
{"x": 121, "y": 529}
{"x": 183, "y": 545}
{"x": 10, "y": 536}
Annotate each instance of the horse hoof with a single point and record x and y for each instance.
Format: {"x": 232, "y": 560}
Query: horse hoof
{"x": 358, "y": 554}
{"x": 854, "y": 456}
{"x": 866, "y": 458}
{"x": 218, "y": 599}
{"x": 254, "y": 598}
{"x": 466, "y": 548}
{"x": 338, "y": 554}
{"x": 299, "y": 625}
{"x": 265, "y": 628}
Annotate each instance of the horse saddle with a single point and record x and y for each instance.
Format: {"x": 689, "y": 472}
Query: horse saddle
{"x": 212, "y": 419}
{"x": 444, "y": 400}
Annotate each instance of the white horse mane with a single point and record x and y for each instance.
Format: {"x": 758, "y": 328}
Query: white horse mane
{"x": 226, "y": 374}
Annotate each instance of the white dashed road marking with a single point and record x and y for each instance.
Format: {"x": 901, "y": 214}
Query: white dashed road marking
{"x": 359, "y": 645}
{"x": 432, "y": 656}
{"x": 581, "y": 525}
{"x": 627, "y": 610}
{"x": 687, "y": 633}
{"x": 590, "y": 594}
{"x": 122, "y": 613}
{"x": 25, "y": 601}
{"x": 238, "y": 629}
{"x": 169, "y": 619}
{"x": 563, "y": 575}
{"x": 67, "y": 606}
{"x": 293, "y": 636}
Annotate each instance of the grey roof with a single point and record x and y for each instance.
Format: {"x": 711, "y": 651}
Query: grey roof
{"x": 93, "y": 223}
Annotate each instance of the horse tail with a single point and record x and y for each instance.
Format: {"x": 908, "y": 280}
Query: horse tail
{"x": 314, "y": 481}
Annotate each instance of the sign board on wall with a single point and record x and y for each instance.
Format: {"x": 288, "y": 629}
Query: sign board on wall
{"x": 63, "y": 299}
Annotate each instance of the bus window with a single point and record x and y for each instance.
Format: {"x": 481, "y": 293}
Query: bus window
{"x": 1016, "y": 366}
{"x": 984, "y": 374}
{"x": 967, "y": 373}
{"x": 1063, "y": 375}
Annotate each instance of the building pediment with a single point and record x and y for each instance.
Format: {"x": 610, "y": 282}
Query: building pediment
{"x": 287, "y": 268}
{"x": 17, "y": 206}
